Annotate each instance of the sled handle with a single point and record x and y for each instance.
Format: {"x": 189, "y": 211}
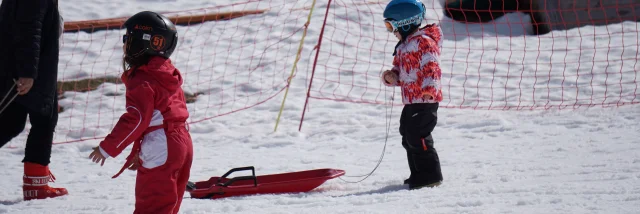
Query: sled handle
{"x": 191, "y": 186}
{"x": 229, "y": 182}
{"x": 253, "y": 172}
{"x": 241, "y": 178}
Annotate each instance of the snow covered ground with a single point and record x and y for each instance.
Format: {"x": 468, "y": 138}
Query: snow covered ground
{"x": 544, "y": 161}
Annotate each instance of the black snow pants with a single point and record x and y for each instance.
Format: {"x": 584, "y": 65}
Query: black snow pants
{"x": 416, "y": 124}
{"x": 40, "y": 139}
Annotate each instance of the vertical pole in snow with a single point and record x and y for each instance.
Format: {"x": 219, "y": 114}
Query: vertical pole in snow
{"x": 295, "y": 63}
{"x": 315, "y": 62}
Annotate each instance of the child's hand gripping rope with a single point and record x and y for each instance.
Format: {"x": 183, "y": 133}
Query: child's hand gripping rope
{"x": 390, "y": 77}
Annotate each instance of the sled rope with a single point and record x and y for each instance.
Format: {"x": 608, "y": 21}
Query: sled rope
{"x": 3, "y": 106}
{"x": 388, "y": 114}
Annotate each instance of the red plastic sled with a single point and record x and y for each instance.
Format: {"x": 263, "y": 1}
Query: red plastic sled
{"x": 292, "y": 182}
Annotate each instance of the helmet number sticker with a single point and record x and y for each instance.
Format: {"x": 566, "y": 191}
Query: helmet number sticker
{"x": 157, "y": 42}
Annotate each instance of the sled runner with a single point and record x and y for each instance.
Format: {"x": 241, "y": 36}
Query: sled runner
{"x": 292, "y": 182}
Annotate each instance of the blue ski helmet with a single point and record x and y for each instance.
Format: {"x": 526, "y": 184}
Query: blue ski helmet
{"x": 404, "y": 15}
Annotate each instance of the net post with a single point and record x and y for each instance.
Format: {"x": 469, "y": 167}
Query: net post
{"x": 295, "y": 64}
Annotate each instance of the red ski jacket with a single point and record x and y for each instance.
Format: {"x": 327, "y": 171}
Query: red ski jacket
{"x": 154, "y": 98}
{"x": 417, "y": 64}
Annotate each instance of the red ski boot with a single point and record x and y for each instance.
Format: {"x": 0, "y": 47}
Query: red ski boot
{"x": 36, "y": 183}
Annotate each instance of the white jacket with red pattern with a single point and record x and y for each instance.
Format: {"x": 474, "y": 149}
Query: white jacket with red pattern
{"x": 154, "y": 96}
{"x": 417, "y": 64}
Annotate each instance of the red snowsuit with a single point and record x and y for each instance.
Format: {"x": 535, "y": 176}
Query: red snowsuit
{"x": 155, "y": 122}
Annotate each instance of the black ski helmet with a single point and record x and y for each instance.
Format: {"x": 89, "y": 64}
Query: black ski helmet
{"x": 149, "y": 34}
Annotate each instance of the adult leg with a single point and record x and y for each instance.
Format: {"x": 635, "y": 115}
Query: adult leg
{"x": 13, "y": 118}
{"x": 37, "y": 157}
{"x": 40, "y": 139}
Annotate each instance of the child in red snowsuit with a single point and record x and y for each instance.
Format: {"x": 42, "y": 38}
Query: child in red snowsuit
{"x": 155, "y": 121}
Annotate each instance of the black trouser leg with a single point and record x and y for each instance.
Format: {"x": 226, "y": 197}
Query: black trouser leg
{"x": 412, "y": 166}
{"x": 40, "y": 139}
{"x": 427, "y": 167}
{"x": 12, "y": 122}
{"x": 416, "y": 124}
